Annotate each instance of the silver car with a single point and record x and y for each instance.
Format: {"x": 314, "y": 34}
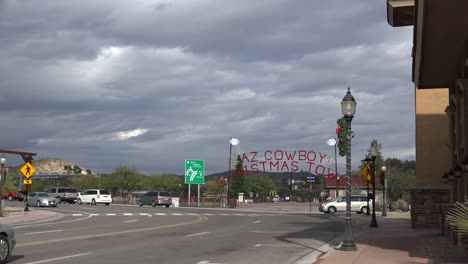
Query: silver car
{"x": 41, "y": 199}
{"x": 155, "y": 198}
{"x": 7, "y": 242}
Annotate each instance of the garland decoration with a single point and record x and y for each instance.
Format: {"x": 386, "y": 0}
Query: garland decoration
{"x": 342, "y": 136}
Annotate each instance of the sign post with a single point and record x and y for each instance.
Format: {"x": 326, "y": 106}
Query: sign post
{"x": 194, "y": 174}
{"x": 27, "y": 170}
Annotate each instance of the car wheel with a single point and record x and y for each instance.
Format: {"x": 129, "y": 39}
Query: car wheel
{"x": 107, "y": 203}
{"x": 4, "y": 249}
{"x": 153, "y": 204}
{"x": 10, "y": 198}
{"x": 331, "y": 209}
{"x": 167, "y": 206}
{"x": 93, "y": 202}
{"x": 38, "y": 204}
{"x": 140, "y": 203}
{"x": 364, "y": 210}
{"x": 55, "y": 205}
{"x": 79, "y": 201}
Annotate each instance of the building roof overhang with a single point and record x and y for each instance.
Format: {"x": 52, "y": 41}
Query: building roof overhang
{"x": 400, "y": 13}
{"x": 440, "y": 32}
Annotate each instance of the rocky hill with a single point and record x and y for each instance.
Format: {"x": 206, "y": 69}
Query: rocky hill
{"x": 55, "y": 166}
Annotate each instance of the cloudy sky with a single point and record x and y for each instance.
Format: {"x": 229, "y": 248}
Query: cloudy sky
{"x": 151, "y": 83}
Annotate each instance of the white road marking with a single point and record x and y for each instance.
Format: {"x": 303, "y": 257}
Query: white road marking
{"x": 131, "y": 221}
{"x": 146, "y": 214}
{"x": 111, "y": 214}
{"x": 225, "y": 214}
{"x": 53, "y": 223}
{"x": 208, "y": 262}
{"x": 175, "y": 214}
{"x": 276, "y": 245}
{"x": 93, "y": 214}
{"x": 160, "y": 214}
{"x": 268, "y": 232}
{"x": 256, "y": 222}
{"x": 207, "y": 214}
{"x": 42, "y": 232}
{"x": 77, "y": 214}
{"x": 127, "y": 214}
{"x": 60, "y": 258}
{"x": 192, "y": 214}
{"x": 197, "y": 234}
{"x": 253, "y": 214}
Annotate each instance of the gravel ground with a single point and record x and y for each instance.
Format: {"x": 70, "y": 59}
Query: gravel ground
{"x": 443, "y": 247}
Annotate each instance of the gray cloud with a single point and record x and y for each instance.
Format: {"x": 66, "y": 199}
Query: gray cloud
{"x": 195, "y": 73}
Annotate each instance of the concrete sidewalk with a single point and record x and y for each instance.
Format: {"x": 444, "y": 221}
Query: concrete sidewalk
{"x": 394, "y": 241}
{"x": 16, "y": 215}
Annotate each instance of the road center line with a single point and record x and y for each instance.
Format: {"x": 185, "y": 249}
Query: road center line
{"x": 42, "y": 232}
{"x": 60, "y": 258}
{"x": 268, "y": 232}
{"x": 197, "y": 234}
{"x": 131, "y": 221}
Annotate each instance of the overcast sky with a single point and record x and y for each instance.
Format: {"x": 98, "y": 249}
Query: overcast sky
{"x": 152, "y": 83}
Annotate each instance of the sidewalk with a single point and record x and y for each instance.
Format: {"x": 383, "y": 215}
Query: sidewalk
{"x": 16, "y": 215}
{"x": 394, "y": 241}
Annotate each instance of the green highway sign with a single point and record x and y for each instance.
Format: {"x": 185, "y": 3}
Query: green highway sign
{"x": 195, "y": 171}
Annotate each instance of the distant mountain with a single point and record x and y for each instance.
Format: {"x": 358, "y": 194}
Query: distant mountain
{"x": 53, "y": 166}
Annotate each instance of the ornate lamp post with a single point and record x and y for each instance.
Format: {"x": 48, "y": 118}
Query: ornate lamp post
{"x": 373, "y": 153}
{"x": 2, "y": 181}
{"x": 348, "y": 108}
{"x": 383, "y": 181}
{"x": 232, "y": 142}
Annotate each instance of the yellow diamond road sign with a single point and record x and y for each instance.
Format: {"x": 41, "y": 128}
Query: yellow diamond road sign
{"x": 27, "y": 170}
{"x": 26, "y": 182}
{"x": 366, "y": 172}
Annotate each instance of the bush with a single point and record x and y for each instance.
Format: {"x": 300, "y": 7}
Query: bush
{"x": 400, "y": 204}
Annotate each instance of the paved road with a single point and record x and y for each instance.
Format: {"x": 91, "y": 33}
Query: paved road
{"x": 126, "y": 234}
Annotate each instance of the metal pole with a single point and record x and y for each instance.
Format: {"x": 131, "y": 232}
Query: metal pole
{"x": 2, "y": 180}
{"x": 374, "y": 219}
{"x": 229, "y": 175}
{"x": 26, "y": 204}
{"x": 348, "y": 242}
{"x": 188, "y": 199}
{"x": 198, "y": 197}
{"x": 384, "y": 210}
{"x": 368, "y": 197}
{"x": 337, "y": 193}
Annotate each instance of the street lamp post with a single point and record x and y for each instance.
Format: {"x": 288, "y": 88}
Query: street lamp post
{"x": 2, "y": 181}
{"x": 373, "y": 154}
{"x": 348, "y": 108}
{"x": 383, "y": 181}
{"x": 232, "y": 142}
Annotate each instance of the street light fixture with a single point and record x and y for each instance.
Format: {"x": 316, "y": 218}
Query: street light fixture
{"x": 348, "y": 108}
{"x": 373, "y": 154}
{"x": 232, "y": 142}
{"x": 332, "y": 142}
{"x": 383, "y": 182}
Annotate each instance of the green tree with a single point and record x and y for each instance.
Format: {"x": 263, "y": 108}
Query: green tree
{"x": 379, "y": 161}
{"x": 213, "y": 187}
{"x": 126, "y": 179}
{"x": 68, "y": 169}
{"x": 400, "y": 181}
{"x": 260, "y": 184}
{"x": 238, "y": 182}
{"x": 87, "y": 181}
{"x": 170, "y": 183}
{"x": 77, "y": 170}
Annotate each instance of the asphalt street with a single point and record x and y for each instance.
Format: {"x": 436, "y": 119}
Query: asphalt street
{"x": 132, "y": 234}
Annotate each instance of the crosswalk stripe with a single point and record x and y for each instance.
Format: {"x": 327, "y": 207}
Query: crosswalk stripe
{"x": 127, "y": 214}
{"x": 111, "y": 214}
{"x": 207, "y": 214}
{"x": 144, "y": 214}
{"x": 225, "y": 214}
{"x": 94, "y": 214}
{"x": 175, "y": 214}
{"x": 160, "y": 214}
{"x": 77, "y": 214}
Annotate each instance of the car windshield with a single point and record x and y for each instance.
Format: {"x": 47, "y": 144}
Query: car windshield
{"x": 43, "y": 195}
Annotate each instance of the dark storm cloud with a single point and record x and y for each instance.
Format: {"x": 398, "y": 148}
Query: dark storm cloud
{"x": 151, "y": 83}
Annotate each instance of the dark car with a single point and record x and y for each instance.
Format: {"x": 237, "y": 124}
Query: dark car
{"x": 155, "y": 198}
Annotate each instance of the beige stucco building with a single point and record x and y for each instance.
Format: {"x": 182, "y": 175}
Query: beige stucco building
{"x": 440, "y": 65}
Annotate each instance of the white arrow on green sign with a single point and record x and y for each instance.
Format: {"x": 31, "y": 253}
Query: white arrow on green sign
{"x": 195, "y": 171}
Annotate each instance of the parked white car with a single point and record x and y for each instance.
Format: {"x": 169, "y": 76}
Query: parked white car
{"x": 95, "y": 196}
{"x": 358, "y": 204}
